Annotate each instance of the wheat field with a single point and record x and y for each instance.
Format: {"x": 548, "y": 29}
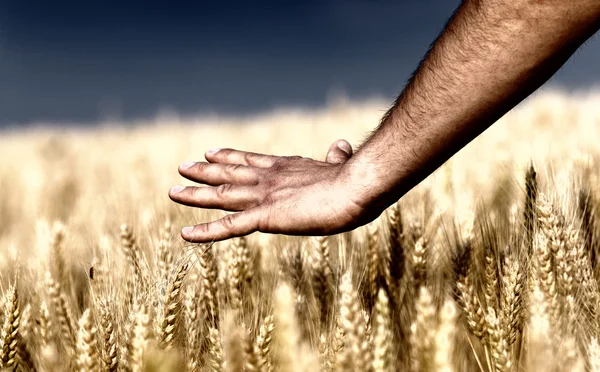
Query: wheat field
{"x": 490, "y": 264}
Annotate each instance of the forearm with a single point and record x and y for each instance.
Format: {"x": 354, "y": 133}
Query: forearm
{"x": 492, "y": 55}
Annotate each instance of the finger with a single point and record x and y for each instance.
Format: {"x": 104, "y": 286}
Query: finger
{"x": 226, "y": 196}
{"x": 339, "y": 152}
{"x": 231, "y": 156}
{"x": 218, "y": 174}
{"x": 230, "y": 226}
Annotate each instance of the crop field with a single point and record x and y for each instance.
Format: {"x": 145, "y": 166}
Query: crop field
{"x": 490, "y": 264}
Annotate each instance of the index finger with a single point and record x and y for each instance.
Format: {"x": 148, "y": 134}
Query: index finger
{"x": 231, "y": 156}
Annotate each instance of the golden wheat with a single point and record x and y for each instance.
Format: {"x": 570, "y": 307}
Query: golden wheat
{"x": 486, "y": 266}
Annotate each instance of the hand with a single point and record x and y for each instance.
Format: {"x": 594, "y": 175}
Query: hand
{"x": 273, "y": 194}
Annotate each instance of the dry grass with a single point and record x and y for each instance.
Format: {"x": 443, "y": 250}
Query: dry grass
{"x": 490, "y": 264}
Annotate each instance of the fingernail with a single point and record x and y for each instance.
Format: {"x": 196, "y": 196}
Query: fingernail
{"x": 187, "y": 230}
{"x": 212, "y": 151}
{"x": 186, "y": 165}
{"x": 342, "y": 146}
{"x": 176, "y": 189}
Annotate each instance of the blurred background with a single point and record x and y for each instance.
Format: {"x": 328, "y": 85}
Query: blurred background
{"x": 82, "y": 62}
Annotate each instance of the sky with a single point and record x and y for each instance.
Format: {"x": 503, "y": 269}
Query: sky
{"x": 79, "y": 62}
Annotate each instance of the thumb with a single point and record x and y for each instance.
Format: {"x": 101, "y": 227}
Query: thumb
{"x": 339, "y": 152}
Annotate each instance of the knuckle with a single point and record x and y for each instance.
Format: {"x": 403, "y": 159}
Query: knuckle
{"x": 231, "y": 169}
{"x": 228, "y": 222}
{"x": 279, "y": 163}
{"x": 268, "y": 199}
{"x": 248, "y": 158}
{"x": 271, "y": 183}
{"x": 194, "y": 192}
{"x": 223, "y": 190}
{"x": 200, "y": 168}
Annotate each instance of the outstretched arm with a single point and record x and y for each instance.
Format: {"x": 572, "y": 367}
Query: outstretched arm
{"x": 491, "y": 55}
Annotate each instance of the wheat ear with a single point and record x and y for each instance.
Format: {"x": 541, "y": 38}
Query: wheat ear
{"x": 172, "y": 305}
{"x": 382, "y": 338}
{"x": 594, "y": 353}
{"x": 322, "y": 279}
{"x": 208, "y": 274}
{"x": 10, "y": 331}
{"x": 444, "y": 337}
{"x": 131, "y": 249}
{"x": 287, "y": 337}
{"x": 471, "y": 306}
{"x": 423, "y": 332}
{"x": 193, "y": 327}
{"x": 395, "y": 257}
{"x": 62, "y": 311}
{"x": 352, "y": 324}
{"x": 234, "y": 274}
{"x": 141, "y": 333}
{"x": 374, "y": 262}
{"x": 233, "y": 348}
{"x": 263, "y": 343}
{"x": 44, "y": 325}
{"x": 529, "y": 212}
{"x": 110, "y": 357}
{"x": 87, "y": 352}
{"x": 215, "y": 350}
{"x": 497, "y": 342}
{"x": 510, "y": 315}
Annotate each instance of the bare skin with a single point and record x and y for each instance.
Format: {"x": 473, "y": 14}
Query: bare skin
{"x": 491, "y": 55}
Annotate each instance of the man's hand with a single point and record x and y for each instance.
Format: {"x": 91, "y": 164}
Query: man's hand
{"x": 271, "y": 194}
{"x": 492, "y": 54}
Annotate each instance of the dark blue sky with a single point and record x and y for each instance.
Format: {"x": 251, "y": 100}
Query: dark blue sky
{"x": 79, "y": 61}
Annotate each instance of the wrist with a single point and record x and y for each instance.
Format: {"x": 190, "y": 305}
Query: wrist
{"x": 368, "y": 187}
